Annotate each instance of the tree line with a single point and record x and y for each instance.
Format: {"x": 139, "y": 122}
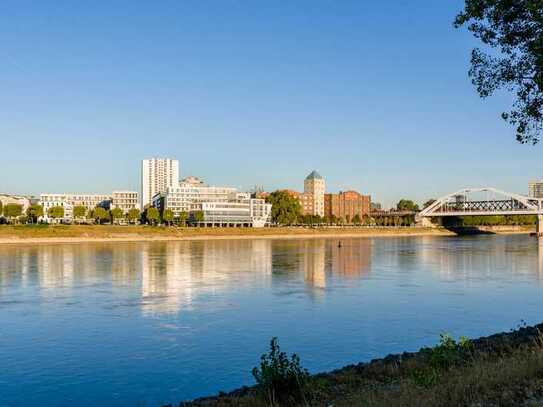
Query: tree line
{"x": 13, "y": 213}
{"x": 286, "y": 210}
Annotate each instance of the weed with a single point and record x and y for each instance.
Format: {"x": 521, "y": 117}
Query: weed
{"x": 280, "y": 380}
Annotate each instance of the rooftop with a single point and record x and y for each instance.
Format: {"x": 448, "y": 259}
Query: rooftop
{"x": 314, "y": 175}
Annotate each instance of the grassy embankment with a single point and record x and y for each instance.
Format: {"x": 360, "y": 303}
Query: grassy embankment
{"x": 501, "y": 370}
{"x": 139, "y": 232}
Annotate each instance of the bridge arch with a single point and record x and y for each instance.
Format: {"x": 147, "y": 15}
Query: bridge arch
{"x": 494, "y": 202}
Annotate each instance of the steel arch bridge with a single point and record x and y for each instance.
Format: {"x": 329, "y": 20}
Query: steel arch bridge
{"x": 494, "y": 202}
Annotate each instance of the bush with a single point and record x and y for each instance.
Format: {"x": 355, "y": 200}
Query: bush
{"x": 280, "y": 380}
{"x": 443, "y": 357}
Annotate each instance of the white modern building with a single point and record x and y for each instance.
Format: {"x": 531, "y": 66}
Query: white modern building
{"x": 535, "y": 189}
{"x": 239, "y": 210}
{"x": 68, "y": 211}
{"x": 222, "y": 206}
{"x": 189, "y": 195}
{"x": 157, "y": 175}
{"x": 69, "y": 201}
{"x": 125, "y": 200}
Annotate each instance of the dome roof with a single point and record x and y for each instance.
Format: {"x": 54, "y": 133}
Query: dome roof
{"x": 314, "y": 175}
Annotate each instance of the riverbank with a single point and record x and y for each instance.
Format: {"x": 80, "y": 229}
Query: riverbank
{"x": 110, "y": 233}
{"x": 500, "y": 370}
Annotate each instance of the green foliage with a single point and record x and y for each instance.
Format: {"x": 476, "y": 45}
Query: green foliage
{"x": 510, "y": 220}
{"x": 183, "y": 217}
{"x": 12, "y": 210}
{"x": 100, "y": 215}
{"x": 79, "y": 211}
{"x": 167, "y": 216}
{"x": 357, "y": 220}
{"x": 443, "y": 357}
{"x": 407, "y": 205}
{"x": 152, "y": 216}
{"x": 34, "y": 212}
{"x": 1, "y": 208}
{"x": 55, "y": 212}
{"x": 310, "y": 220}
{"x": 116, "y": 214}
{"x": 280, "y": 380}
{"x": 286, "y": 208}
{"x": 514, "y": 32}
{"x": 133, "y": 215}
{"x": 198, "y": 216}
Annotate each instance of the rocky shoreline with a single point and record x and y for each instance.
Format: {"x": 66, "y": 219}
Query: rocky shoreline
{"x": 388, "y": 370}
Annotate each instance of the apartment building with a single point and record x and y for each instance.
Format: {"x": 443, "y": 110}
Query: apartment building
{"x": 347, "y": 205}
{"x": 69, "y": 201}
{"x": 125, "y": 200}
{"x": 157, "y": 175}
{"x": 535, "y": 189}
{"x": 89, "y": 201}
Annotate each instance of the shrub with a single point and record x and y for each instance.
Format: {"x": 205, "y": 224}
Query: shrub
{"x": 280, "y": 380}
{"x": 443, "y": 357}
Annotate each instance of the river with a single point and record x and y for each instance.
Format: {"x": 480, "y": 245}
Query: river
{"x": 151, "y": 323}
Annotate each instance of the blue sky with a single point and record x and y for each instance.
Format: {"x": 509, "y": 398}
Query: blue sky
{"x": 374, "y": 96}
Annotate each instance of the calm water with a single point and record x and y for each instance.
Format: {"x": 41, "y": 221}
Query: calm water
{"x": 146, "y": 323}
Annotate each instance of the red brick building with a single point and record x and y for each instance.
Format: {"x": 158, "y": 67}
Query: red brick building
{"x": 346, "y": 204}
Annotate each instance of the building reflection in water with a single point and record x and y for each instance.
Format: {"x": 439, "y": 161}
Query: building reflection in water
{"x": 478, "y": 257}
{"x": 319, "y": 260}
{"x": 175, "y": 273}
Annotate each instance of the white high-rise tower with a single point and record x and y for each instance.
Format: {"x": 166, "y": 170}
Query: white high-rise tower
{"x": 157, "y": 174}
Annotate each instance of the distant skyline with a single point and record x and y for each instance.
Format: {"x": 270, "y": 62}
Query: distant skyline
{"x": 375, "y": 97}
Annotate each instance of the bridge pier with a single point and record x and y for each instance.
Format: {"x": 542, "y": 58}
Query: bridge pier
{"x": 539, "y": 226}
{"x": 424, "y": 222}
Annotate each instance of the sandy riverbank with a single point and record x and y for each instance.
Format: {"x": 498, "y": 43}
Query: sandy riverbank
{"x": 10, "y": 235}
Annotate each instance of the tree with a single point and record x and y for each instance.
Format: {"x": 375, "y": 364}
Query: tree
{"x": 116, "y": 214}
{"x": 79, "y": 212}
{"x": 55, "y": 212}
{"x": 34, "y": 212}
{"x": 133, "y": 215}
{"x": 13, "y": 211}
{"x": 167, "y": 216}
{"x": 152, "y": 216}
{"x": 407, "y": 205}
{"x": 514, "y": 30}
{"x": 356, "y": 219}
{"x": 100, "y": 215}
{"x": 183, "y": 217}
{"x": 198, "y": 216}
{"x": 1, "y": 208}
{"x": 285, "y": 208}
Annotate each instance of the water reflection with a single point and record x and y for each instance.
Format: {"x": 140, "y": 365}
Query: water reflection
{"x": 174, "y": 273}
{"x": 170, "y": 276}
{"x": 170, "y": 321}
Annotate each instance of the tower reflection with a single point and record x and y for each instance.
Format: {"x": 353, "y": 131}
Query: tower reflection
{"x": 174, "y": 274}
